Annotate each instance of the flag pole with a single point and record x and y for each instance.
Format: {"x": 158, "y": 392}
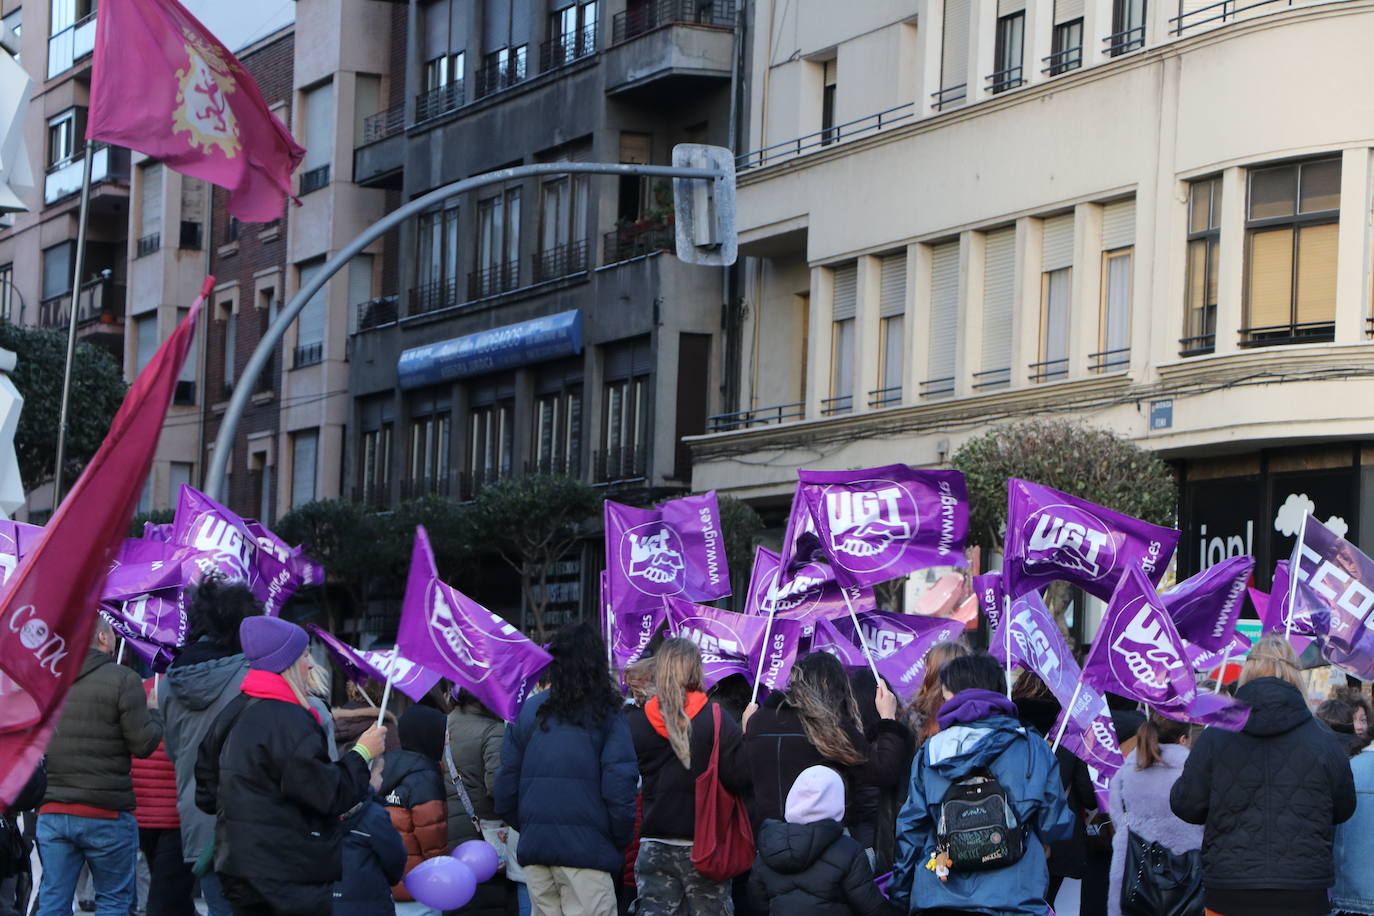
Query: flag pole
{"x": 1068, "y": 711}
{"x": 1293, "y": 566}
{"x": 119, "y": 656}
{"x": 386, "y": 691}
{"x": 78, "y": 269}
{"x": 763, "y": 656}
{"x": 1006, "y": 635}
{"x": 859, "y": 631}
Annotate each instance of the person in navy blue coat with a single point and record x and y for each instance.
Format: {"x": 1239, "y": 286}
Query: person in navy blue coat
{"x": 568, "y": 781}
{"x": 374, "y": 857}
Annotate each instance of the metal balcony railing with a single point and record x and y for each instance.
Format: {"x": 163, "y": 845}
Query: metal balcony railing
{"x": 474, "y": 481}
{"x": 307, "y": 355}
{"x": 637, "y": 241}
{"x": 497, "y": 278}
{"x": 828, "y": 136}
{"x": 430, "y": 297}
{"x": 438, "y": 101}
{"x": 649, "y": 16}
{"x": 568, "y": 47}
{"x": 757, "y": 416}
{"x": 831, "y": 407}
{"x": 438, "y": 485}
{"x": 620, "y": 464}
{"x": 1198, "y": 345}
{"x": 314, "y": 179}
{"x": 885, "y": 397}
{"x": 384, "y": 124}
{"x": 992, "y": 378}
{"x": 1296, "y": 333}
{"x": 1063, "y": 61}
{"x": 377, "y": 313}
{"x": 1049, "y": 370}
{"x": 937, "y": 387}
{"x": 560, "y": 261}
{"x": 100, "y": 301}
{"x": 498, "y": 72}
{"x": 1125, "y": 41}
{"x": 148, "y": 244}
{"x": 1002, "y": 80}
{"x": 1217, "y": 12}
{"x": 374, "y": 495}
{"x": 564, "y": 465}
{"x": 949, "y": 96}
{"x": 1108, "y": 360}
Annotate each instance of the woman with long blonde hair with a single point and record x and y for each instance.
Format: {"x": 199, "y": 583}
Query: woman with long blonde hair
{"x": 674, "y": 735}
{"x": 920, "y": 715}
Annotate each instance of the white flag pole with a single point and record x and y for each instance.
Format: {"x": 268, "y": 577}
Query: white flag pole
{"x": 1068, "y": 711}
{"x": 1006, "y": 636}
{"x": 1293, "y": 566}
{"x": 763, "y": 656}
{"x": 386, "y": 691}
{"x": 868, "y": 653}
{"x": 119, "y": 656}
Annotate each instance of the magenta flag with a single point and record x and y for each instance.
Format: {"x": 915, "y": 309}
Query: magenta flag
{"x": 987, "y": 589}
{"x": 677, "y": 549}
{"x": 1038, "y": 645}
{"x": 360, "y": 665}
{"x": 1206, "y": 607}
{"x": 1335, "y": 598}
{"x": 827, "y": 638}
{"x": 164, "y": 86}
{"x": 1090, "y": 736}
{"x": 632, "y": 631}
{"x": 48, "y": 608}
{"x": 446, "y": 631}
{"x": 1053, "y": 536}
{"x": 905, "y": 668}
{"x": 887, "y": 632}
{"x": 809, "y": 594}
{"x": 876, "y": 524}
{"x": 732, "y": 643}
{"x": 1138, "y": 653}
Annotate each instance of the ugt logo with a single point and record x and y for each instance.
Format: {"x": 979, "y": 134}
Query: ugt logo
{"x": 718, "y": 643}
{"x": 448, "y": 635}
{"x": 798, "y": 596}
{"x": 1069, "y": 538}
{"x": 868, "y": 526}
{"x": 1141, "y": 651}
{"x": 652, "y": 557}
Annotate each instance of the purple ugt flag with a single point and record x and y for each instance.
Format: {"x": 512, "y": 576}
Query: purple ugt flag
{"x": 905, "y": 668}
{"x": 881, "y": 523}
{"x": 827, "y": 638}
{"x": 447, "y": 632}
{"x": 676, "y": 549}
{"x": 809, "y": 594}
{"x": 354, "y": 666}
{"x": 359, "y": 665}
{"x": 1336, "y": 592}
{"x": 1054, "y": 536}
{"x": 887, "y": 632}
{"x": 632, "y": 631}
{"x": 732, "y": 643}
{"x": 987, "y": 589}
{"x": 1091, "y": 737}
{"x": 1038, "y": 645}
{"x": 1205, "y": 608}
{"x": 1138, "y": 653}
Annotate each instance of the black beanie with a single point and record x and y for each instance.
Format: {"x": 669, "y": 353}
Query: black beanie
{"x": 422, "y": 731}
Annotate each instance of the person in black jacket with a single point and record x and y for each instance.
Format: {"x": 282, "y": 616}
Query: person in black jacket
{"x": 1269, "y": 797}
{"x": 873, "y": 808}
{"x": 413, "y": 790}
{"x": 16, "y": 878}
{"x": 674, "y": 735}
{"x": 815, "y": 722}
{"x": 264, "y": 771}
{"x": 807, "y": 866}
{"x": 374, "y": 858}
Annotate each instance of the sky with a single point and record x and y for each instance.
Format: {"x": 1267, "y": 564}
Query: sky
{"x": 239, "y": 23}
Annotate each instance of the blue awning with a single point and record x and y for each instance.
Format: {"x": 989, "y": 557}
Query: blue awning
{"x": 533, "y": 341}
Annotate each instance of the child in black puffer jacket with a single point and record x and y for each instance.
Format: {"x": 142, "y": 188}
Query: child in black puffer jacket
{"x": 808, "y": 866}
{"x": 374, "y": 857}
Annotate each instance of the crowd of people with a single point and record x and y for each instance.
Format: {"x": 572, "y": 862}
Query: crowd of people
{"x": 239, "y": 780}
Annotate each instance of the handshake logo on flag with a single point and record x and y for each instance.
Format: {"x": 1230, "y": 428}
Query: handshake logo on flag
{"x": 1144, "y": 649}
{"x": 1076, "y": 540}
{"x": 803, "y": 589}
{"x": 865, "y": 523}
{"x": 452, "y": 641}
{"x": 656, "y": 557}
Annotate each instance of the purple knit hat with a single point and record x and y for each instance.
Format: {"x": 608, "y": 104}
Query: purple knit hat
{"x": 270, "y": 643}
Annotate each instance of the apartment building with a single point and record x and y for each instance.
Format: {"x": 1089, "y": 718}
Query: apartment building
{"x": 540, "y": 325}
{"x": 956, "y": 213}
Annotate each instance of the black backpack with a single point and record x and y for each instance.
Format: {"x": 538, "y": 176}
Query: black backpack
{"x": 977, "y": 827}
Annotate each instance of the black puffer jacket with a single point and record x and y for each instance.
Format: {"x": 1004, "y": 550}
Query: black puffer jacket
{"x": 1269, "y": 796}
{"x": 264, "y": 769}
{"x": 813, "y": 870}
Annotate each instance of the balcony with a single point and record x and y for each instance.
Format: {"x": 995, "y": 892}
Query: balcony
{"x": 307, "y": 355}
{"x": 758, "y": 416}
{"x": 1063, "y": 61}
{"x": 991, "y": 379}
{"x": 416, "y": 487}
{"x": 493, "y": 280}
{"x": 563, "y": 50}
{"x": 833, "y": 407}
{"x": 620, "y": 465}
{"x": 638, "y": 240}
{"x": 860, "y": 127}
{"x": 315, "y": 179}
{"x": 564, "y": 466}
{"x": 74, "y": 43}
{"x": 384, "y": 124}
{"x": 678, "y": 45}
{"x": 1051, "y": 370}
{"x": 147, "y": 245}
{"x": 430, "y": 297}
{"x": 1125, "y": 41}
{"x": 560, "y": 261}
{"x": 500, "y": 71}
{"x": 63, "y": 180}
{"x": 1002, "y": 80}
{"x": 885, "y": 397}
{"x": 101, "y": 301}
{"x": 380, "y": 159}
{"x": 1109, "y": 360}
{"x": 1285, "y": 334}
{"x": 378, "y": 313}
{"x": 937, "y": 388}
{"x": 949, "y": 97}
{"x": 439, "y": 101}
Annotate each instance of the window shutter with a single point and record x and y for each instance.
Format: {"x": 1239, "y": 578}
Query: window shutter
{"x": 954, "y": 59}
{"x": 147, "y": 339}
{"x": 845, "y": 300}
{"x": 1271, "y": 278}
{"x": 1058, "y": 242}
{"x": 892, "y": 297}
{"x": 495, "y": 25}
{"x": 310, "y": 323}
{"x": 319, "y": 127}
{"x": 1007, "y": 7}
{"x": 434, "y": 33}
{"x": 1118, "y": 225}
{"x": 1317, "y": 273}
{"x": 150, "y": 197}
{"x": 1069, "y": 10}
{"x": 944, "y": 310}
{"x": 999, "y": 275}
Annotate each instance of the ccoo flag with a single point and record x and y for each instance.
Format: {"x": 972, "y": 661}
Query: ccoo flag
{"x": 1054, "y": 536}
{"x": 445, "y": 631}
{"x": 675, "y": 550}
{"x": 48, "y": 609}
{"x": 882, "y": 523}
{"x": 1335, "y": 589}
{"x": 164, "y": 86}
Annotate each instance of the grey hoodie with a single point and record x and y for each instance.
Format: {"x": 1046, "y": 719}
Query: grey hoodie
{"x": 191, "y": 697}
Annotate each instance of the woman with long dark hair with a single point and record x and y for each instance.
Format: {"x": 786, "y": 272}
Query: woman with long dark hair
{"x": 816, "y": 722}
{"x": 568, "y": 781}
{"x": 674, "y": 735}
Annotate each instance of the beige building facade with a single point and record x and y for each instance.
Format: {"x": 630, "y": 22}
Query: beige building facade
{"x": 1151, "y": 218}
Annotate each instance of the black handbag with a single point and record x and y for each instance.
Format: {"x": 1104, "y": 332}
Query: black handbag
{"x": 1159, "y": 882}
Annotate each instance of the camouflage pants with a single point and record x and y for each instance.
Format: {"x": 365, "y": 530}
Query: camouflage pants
{"x": 670, "y": 885}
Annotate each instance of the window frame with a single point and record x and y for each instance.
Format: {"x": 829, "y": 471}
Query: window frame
{"x": 1199, "y": 340}
{"x": 1105, "y": 359}
{"x": 1047, "y": 369}
{"x": 1062, "y": 57}
{"x": 1010, "y": 37}
{"x": 492, "y": 277}
{"x": 563, "y": 453}
{"x": 70, "y": 137}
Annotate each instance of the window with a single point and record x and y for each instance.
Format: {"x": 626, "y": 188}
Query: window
{"x": 145, "y": 336}
{"x": 7, "y": 294}
{"x": 149, "y": 208}
{"x": 944, "y": 321}
{"x": 1291, "y": 233}
{"x": 1066, "y": 48}
{"x": 185, "y": 392}
{"x": 376, "y": 464}
{"x": 14, "y": 25}
{"x": 260, "y": 485}
{"x": 1200, "y": 290}
{"x": 999, "y": 304}
{"x": 443, "y": 71}
{"x": 1008, "y": 53}
{"x": 305, "y": 447}
{"x": 954, "y": 55}
{"x": 844, "y": 304}
{"x": 310, "y": 323}
{"x": 179, "y": 475}
{"x": 57, "y": 270}
{"x": 228, "y": 322}
{"x": 1056, "y": 276}
{"x": 558, "y": 422}
{"x": 501, "y": 69}
{"x": 828, "y": 81}
{"x": 891, "y": 330}
{"x": 443, "y": 82}
{"x": 625, "y": 436}
{"x": 563, "y": 228}
{"x": 1128, "y": 27}
{"x": 319, "y": 137}
{"x": 65, "y": 141}
{"x": 498, "y": 245}
{"x": 635, "y": 149}
{"x": 437, "y": 264}
{"x": 572, "y": 34}
{"x": 431, "y": 428}
{"x": 491, "y": 432}
{"x": 193, "y": 193}
{"x": 1114, "y": 318}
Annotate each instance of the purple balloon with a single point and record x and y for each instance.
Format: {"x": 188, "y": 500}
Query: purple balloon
{"x": 442, "y": 882}
{"x": 481, "y": 857}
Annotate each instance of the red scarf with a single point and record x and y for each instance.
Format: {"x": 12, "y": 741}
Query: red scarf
{"x": 267, "y": 685}
{"x": 696, "y": 701}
